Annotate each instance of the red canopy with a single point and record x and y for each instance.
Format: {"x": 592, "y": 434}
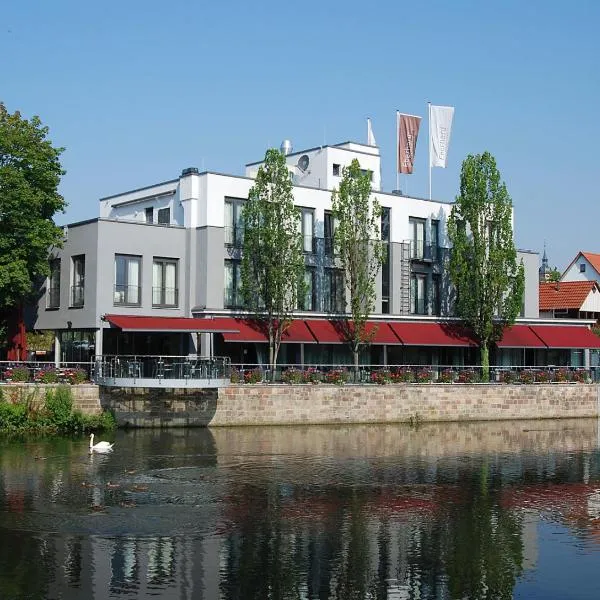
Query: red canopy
{"x": 431, "y": 334}
{"x": 170, "y": 324}
{"x": 520, "y": 336}
{"x": 565, "y": 336}
{"x": 251, "y": 331}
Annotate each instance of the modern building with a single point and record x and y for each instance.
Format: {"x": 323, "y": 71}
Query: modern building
{"x": 158, "y": 272}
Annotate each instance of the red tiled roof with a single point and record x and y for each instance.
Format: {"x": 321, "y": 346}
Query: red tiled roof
{"x": 593, "y": 259}
{"x": 565, "y": 294}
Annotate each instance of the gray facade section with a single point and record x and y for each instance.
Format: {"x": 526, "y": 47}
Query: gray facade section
{"x": 531, "y": 308}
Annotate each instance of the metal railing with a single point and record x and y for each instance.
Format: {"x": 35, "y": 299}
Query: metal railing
{"x": 234, "y": 236}
{"x": 127, "y": 294}
{"x": 407, "y": 373}
{"x": 45, "y": 372}
{"x": 161, "y": 367}
{"x": 164, "y": 296}
{"x": 77, "y": 295}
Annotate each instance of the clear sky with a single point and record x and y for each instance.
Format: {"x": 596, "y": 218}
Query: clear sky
{"x": 138, "y": 90}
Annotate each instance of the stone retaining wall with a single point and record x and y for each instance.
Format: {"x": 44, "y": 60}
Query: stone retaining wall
{"x": 86, "y": 397}
{"x": 264, "y": 404}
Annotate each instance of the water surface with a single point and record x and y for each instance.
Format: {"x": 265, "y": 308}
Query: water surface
{"x": 488, "y": 510}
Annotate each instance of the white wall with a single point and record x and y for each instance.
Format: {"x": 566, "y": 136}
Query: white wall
{"x": 573, "y": 273}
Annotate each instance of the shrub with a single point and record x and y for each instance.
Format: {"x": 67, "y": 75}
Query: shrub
{"x": 580, "y": 376}
{"x": 467, "y": 376}
{"x": 403, "y": 375}
{"x": 424, "y": 376}
{"x": 312, "y": 375}
{"x": 561, "y": 375}
{"x": 526, "y": 376}
{"x": 292, "y": 376}
{"x": 47, "y": 375}
{"x": 59, "y": 407}
{"x": 13, "y": 416}
{"x": 236, "y": 376}
{"x": 542, "y": 376}
{"x": 74, "y": 376}
{"x": 446, "y": 376}
{"x": 337, "y": 376}
{"x": 253, "y": 376}
{"x": 381, "y": 377}
{"x": 509, "y": 376}
{"x": 18, "y": 374}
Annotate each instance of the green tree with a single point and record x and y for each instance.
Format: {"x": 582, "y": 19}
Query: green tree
{"x": 360, "y": 251}
{"x": 273, "y": 261}
{"x": 554, "y": 275}
{"x": 483, "y": 264}
{"x": 30, "y": 173}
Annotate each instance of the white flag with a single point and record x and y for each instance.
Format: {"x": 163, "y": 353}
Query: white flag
{"x": 440, "y": 126}
{"x": 370, "y": 137}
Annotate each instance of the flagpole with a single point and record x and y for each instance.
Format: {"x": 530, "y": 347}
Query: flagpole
{"x": 397, "y": 151}
{"x": 429, "y": 122}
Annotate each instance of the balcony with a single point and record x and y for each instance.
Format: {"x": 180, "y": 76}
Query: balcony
{"x": 420, "y": 251}
{"x": 127, "y": 294}
{"x": 165, "y": 297}
{"x": 77, "y": 293}
{"x": 234, "y": 236}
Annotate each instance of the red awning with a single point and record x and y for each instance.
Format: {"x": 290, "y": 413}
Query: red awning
{"x": 431, "y": 334}
{"x": 251, "y": 331}
{"x": 520, "y": 336}
{"x": 565, "y": 336}
{"x": 170, "y": 324}
{"x": 331, "y": 332}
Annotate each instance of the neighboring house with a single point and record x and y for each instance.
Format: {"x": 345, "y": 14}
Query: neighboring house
{"x": 570, "y": 300}
{"x": 162, "y": 264}
{"x": 584, "y": 267}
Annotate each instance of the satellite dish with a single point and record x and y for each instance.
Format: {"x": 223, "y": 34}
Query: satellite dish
{"x": 303, "y": 162}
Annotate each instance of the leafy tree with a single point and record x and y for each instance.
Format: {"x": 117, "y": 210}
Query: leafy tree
{"x": 483, "y": 263}
{"x": 273, "y": 261}
{"x": 30, "y": 173}
{"x": 554, "y": 275}
{"x": 360, "y": 252}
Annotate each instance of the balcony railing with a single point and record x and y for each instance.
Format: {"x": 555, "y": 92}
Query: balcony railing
{"x": 419, "y": 250}
{"x": 309, "y": 244}
{"x": 234, "y": 236}
{"x": 162, "y": 296}
{"x": 329, "y": 242}
{"x": 233, "y": 298}
{"x": 77, "y": 293}
{"x": 127, "y": 294}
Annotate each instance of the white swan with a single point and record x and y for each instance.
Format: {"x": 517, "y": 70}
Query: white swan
{"x": 100, "y": 446}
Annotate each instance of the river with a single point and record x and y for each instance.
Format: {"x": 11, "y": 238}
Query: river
{"x": 473, "y": 510}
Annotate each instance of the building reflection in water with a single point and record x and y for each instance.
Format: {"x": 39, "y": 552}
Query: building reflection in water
{"x": 300, "y": 513}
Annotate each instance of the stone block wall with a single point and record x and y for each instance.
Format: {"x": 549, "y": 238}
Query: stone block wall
{"x": 267, "y": 404}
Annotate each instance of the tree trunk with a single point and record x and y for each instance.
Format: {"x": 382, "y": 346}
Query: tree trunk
{"x": 485, "y": 362}
{"x": 271, "y": 353}
{"x": 355, "y": 353}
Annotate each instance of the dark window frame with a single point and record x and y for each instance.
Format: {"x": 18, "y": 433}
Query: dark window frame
{"x": 124, "y": 288}
{"x": 162, "y": 290}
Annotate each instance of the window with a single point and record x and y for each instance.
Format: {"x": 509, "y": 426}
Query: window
{"x": 418, "y": 290}
{"x": 367, "y": 172}
{"x": 329, "y": 231}
{"x": 164, "y": 282}
{"x": 307, "y": 226}
{"x": 233, "y": 284}
{"x": 53, "y": 295}
{"x": 417, "y": 236}
{"x": 435, "y": 295}
{"x": 435, "y": 238}
{"x": 233, "y": 222}
{"x": 385, "y": 267}
{"x": 127, "y": 279}
{"x": 334, "y": 292}
{"x": 77, "y": 280}
{"x": 150, "y": 215}
{"x": 582, "y": 268}
{"x": 336, "y": 170}
{"x": 164, "y": 216}
{"x": 308, "y": 302}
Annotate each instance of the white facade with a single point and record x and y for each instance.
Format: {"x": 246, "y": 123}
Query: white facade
{"x": 582, "y": 269}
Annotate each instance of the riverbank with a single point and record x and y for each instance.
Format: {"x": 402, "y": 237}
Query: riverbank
{"x": 323, "y": 404}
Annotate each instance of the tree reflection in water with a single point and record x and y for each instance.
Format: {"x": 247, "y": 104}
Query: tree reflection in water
{"x": 220, "y": 517}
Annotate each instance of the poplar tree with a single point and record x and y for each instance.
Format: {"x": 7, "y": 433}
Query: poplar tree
{"x": 483, "y": 262}
{"x": 272, "y": 270}
{"x": 360, "y": 251}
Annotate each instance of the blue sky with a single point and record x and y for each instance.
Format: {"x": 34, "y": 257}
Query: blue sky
{"x": 137, "y": 91}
